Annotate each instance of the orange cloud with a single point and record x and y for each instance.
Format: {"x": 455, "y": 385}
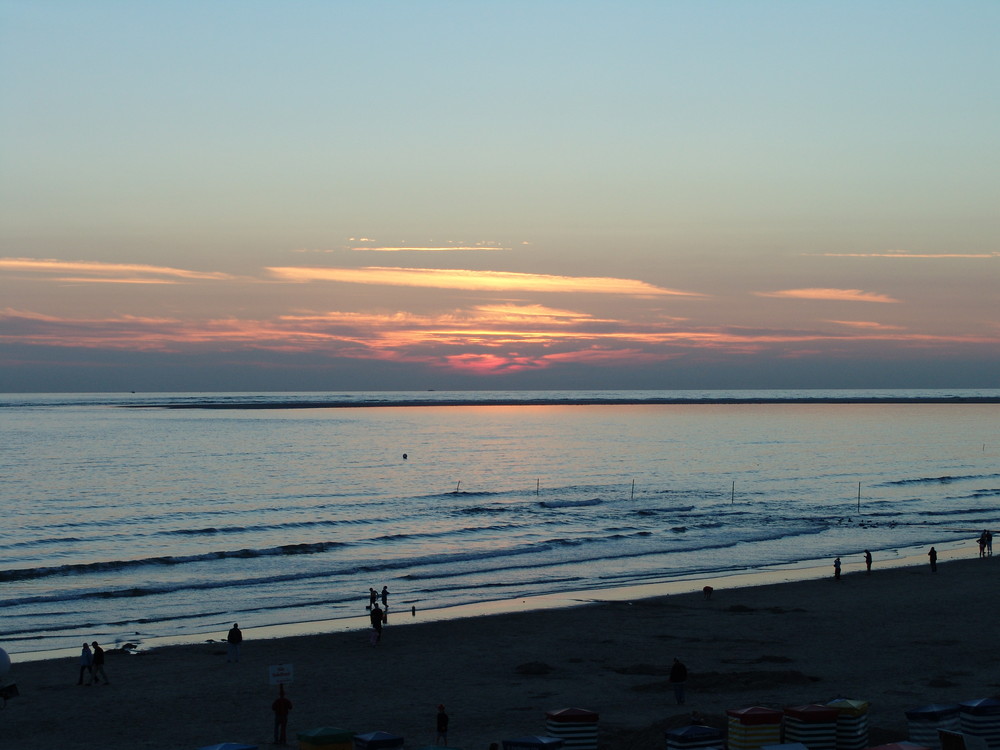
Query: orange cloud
{"x": 496, "y": 364}
{"x": 866, "y": 325}
{"x": 903, "y": 254}
{"x": 534, "y": 314}
{"x": 420, "y": 249}
{"x": 95, "y": 271}
{"x": 475, "y": 280}
{"x": 490, "y": 364}
{"x": 120, "y": 280}
{"x": 489, "y": 339}
{"x": 838, "y": 295}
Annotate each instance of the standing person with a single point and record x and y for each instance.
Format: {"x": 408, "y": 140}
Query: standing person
{"x": 836, "y": 569}
{"x": 281, "y": 707}
{"x": 376, "y": 619}
{"x": 372, "y": 597}
{"x": 989, "y": 543}
{"x": 982, "y": 544}
{"x": 678, "y": 676}
{"x": 441, "y": 740}
{"x": 932, "y": 556}
{"x": 868, "y": 562}
{"x": 385, "y": 597}
{"x": 86, "y": 665}
{"x": 234, "y": 639}
{"x": 98, "y": 664}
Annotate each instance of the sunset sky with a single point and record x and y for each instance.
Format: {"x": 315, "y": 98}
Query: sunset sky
{"x": 323, "y": 195}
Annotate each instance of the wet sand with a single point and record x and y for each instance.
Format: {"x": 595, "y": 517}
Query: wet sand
{"x": 899, "y": 638}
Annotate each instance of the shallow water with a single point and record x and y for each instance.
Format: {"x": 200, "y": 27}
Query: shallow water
{"x": 131, "y": 524}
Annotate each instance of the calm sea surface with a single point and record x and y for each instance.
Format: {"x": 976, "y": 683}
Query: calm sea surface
{"x": 123, "y": 524}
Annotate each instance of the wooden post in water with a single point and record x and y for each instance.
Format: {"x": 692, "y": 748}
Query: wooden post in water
{"x": 732, "y": 498}
{"x": 632, "y": 497}
{"x": 859, "y": 497}
{"x": 537, "y": 484}
{"x": 458, "y": 485}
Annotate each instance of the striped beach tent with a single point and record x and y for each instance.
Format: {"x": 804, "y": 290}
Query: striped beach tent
{"x": 749, "y": 728}
{"x": 852, "y": 723}
{"x": 577, "y": 727}
{"x": 981, "y": 718}
{"x": 925, "y": 721}
{"x": 813, "y": 725}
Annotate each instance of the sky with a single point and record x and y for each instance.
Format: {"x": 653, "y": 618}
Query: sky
{"x": 299, "y": 195}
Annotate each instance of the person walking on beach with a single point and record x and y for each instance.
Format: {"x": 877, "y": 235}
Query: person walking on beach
{"x": 97, "y": 668}
{"x": 836, "y": 569}
{"x": 982, "y": 544}
{"x": 86, "y": 665}
{"x": 376, "y": 620}
{"x": 281, "y": 707}
{"x": 989, "y": 543}
{"x": 868, "y": 563}
{"x": 932, "y": 556}
{"x": 678, "y": 676}
{"x": 372, "y": 597}
{"x": 441, "y": 739}
{"x": 234, "y": 639}
{"x": 385, "y": 597}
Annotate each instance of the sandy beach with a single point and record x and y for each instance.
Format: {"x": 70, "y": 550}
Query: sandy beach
{"x": 898, "y": 638}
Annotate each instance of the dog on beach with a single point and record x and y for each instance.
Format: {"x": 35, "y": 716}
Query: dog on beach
{"x": 707, "y": 592}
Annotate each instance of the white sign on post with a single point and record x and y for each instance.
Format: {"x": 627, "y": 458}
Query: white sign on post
{"x": 280, "y": 674}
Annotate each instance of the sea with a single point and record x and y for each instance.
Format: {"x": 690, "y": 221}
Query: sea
{"x": 146, "y": 519}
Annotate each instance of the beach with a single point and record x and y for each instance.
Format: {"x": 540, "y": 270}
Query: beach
{"x": 898, "y": 638}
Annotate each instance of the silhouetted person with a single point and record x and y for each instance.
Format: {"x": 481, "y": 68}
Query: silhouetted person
{"x": 376, "y": 619}
{"x": 678, "y": 676}
{"x": 281, "y": 707}
{"x": 234, "y": 638}
{"x": 442, "y": 728}
{"x": 932, "y": 556}
{"x": 868, "y": 562}
{"x": 86, "y": 665}
{"x": 98, "y": 665}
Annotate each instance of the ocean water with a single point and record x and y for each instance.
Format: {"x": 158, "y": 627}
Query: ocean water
{"x": 128, "y": 518}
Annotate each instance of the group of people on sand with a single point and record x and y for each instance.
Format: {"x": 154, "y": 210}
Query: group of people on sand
{"x": 836, "y": 565}
{"x": 868, "y": 565}
{"x": 986, "y": 543}
{"x": 985, "y": 550}
{"x": 377, "y": 614}
{"x": 92, "y": 665}
{"x": 373, "y": 596}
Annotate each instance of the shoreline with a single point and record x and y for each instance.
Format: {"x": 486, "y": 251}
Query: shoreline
{"x": 900, "y": 638}
{"x": 801, "y": 570}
